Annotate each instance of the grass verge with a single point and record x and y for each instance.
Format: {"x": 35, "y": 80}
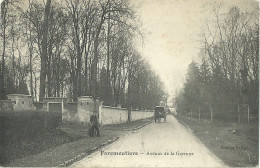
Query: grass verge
{"x": 236, "y": 144}
{"x": 61, "y": 153}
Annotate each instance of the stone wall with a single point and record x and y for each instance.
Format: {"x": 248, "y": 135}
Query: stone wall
{"x": 81, "y": 111}
{"x": 137, "y": 115}
{"x": 38, "y": 105}
{"x": 115, "y": 115}
{"x": 75, "y": 112}
{"x": 70, "y": 112}
{"x": 52, "y": 100}
{"x": 21, "y": 102}
{"x": 6, "y": 105}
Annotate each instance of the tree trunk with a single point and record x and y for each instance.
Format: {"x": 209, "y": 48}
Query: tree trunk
{"x": 108, "y": 58}
{"x": 94, "y": 70}
{"x": 31, "y": 69}
{"x": 79, "y": 64}
{"x": 58, "y": 79}
{"x": 211, "y": 113}
{"x": 94, "y": 87}
{"x": 3, "y": 14}
{"x": 86, "y": 70}
{"x": 13, "y": 57}
{"x": 35, "y": 87}
{"x": 44, "y": 50}
{"x": 129, "y": 96}
{"x": 49, "y": 69}
{"x": 30, "y": 54}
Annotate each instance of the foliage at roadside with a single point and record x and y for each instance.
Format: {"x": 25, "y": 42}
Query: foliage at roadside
{"x": 227, "y": 73}
{"x": 29, "y": 132}
{"x": 75, "y": 48}
{"x": 239, "y": 149}
{"x": 37, "y": 139}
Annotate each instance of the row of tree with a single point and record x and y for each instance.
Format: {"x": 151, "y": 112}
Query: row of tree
{"x": 74, "y": 48}
{"x": 228, "y": 69}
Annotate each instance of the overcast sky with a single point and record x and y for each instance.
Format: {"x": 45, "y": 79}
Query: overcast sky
{"x": 172, "y": 30}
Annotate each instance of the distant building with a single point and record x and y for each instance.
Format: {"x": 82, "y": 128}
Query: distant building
{"x": 21, "y": 102}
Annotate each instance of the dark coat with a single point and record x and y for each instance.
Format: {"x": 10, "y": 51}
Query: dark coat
{"x": 93, "y": 119}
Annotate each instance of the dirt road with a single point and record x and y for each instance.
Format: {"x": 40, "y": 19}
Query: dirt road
{"x": 167, "y": 144}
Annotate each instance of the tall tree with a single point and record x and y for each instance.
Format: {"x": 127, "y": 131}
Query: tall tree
{"x": 44, "y": 50}
{"x": 4, "y": 24}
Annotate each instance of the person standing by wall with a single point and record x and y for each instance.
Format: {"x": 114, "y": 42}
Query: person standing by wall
{"x": 94, "y": 124}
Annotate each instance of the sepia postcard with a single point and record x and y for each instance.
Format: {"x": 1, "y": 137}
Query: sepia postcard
{"x": 129, "y": 83}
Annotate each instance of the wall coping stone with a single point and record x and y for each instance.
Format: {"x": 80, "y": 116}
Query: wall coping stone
{"x": 55, "y": 98}
{"x": 114, "y": 107}
{"x": 19, "y": 96}
{"x": 119, "y": 108}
